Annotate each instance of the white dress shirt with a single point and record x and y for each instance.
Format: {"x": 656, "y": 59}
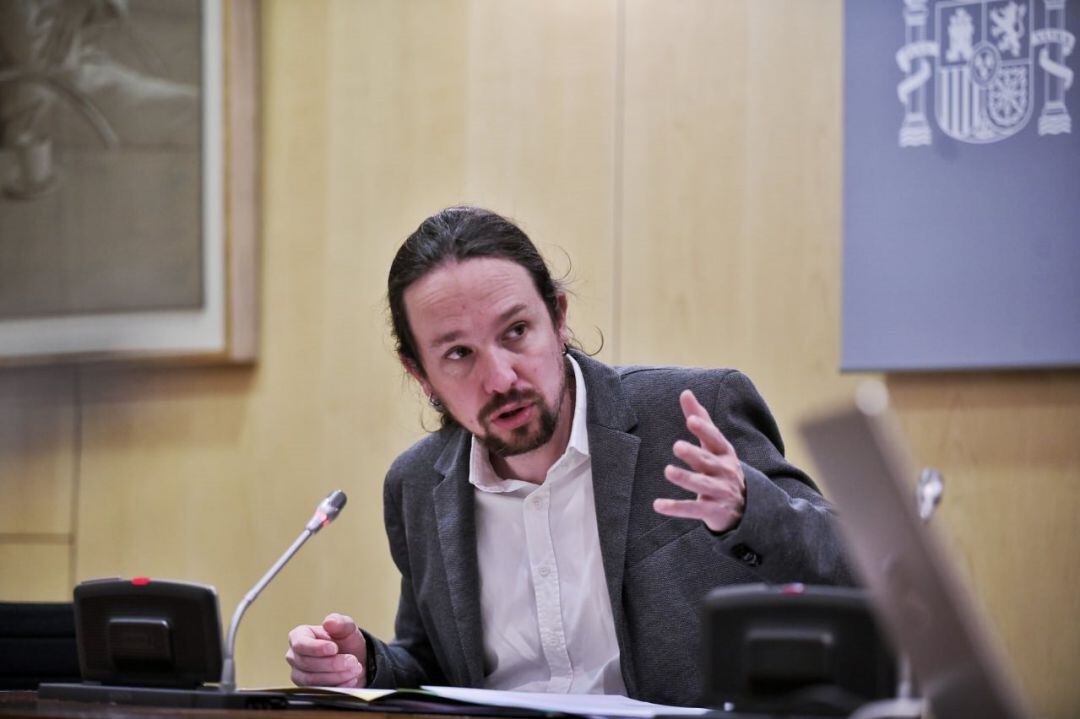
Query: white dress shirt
{"x": 545, "y": 610}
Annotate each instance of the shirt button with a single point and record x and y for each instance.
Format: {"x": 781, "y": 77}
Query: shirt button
{"x": 544, "y": 571}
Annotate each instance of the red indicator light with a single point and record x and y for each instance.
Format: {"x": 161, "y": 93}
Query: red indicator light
{"x": 796, "y": 588}
{"x": 140, "y": 581}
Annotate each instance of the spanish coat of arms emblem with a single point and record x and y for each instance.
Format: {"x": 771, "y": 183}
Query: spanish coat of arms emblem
{"x": 989, "y": 55}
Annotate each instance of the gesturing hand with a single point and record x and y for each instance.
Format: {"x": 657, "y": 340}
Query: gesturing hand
{"x": 715, "y": 473}
{"x": 332, "y": 654}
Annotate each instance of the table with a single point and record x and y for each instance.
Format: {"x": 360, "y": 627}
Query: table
{"x": 26, "y": 704}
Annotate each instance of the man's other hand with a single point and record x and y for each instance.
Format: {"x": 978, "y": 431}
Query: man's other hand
{"x": 714, "y": 475}
{"x": 333, "y": 654}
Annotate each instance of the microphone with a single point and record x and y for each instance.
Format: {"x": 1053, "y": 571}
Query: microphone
{"x": 326, "y": 512}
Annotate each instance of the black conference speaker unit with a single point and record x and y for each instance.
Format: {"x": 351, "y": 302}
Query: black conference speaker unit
{"x": 150, "y": 641}
{"x": 794, "y": 648}
{"x": 144, "y": 632}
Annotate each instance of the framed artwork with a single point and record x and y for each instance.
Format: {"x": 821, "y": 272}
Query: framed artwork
{"x": 128, "y": 181}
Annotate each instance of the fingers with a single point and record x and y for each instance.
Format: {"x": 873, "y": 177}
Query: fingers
{"x": 336, "y": 664}
{"x": 339, "y": 626}
{"x": 685, "y": 508}
{"x": 715, "y": 456}
{"x": 717, "y": 516}
{"x": 719, "y": 503}
{"x": 690, "y": 405}
{"x": 344, "y": 632}
{"x": 715, "y": 474}
{"x": 330, "y": 654}
{"x": 343, "y": 670}
{"x": 311, "y": 641}
{"x": 702, "y": 460}
{"x": 701, "y": 425}
{"x": 704, "y": 485}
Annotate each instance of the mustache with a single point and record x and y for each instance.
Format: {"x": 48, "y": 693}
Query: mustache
{"x": 503, "y": 400}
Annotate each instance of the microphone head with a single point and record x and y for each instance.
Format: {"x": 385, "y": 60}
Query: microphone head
{"x": 337, "y": 498}
{"x": 328, "y": 510}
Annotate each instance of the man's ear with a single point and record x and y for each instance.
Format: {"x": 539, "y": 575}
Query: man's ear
{"x": 416, "y": 373}
{"x": 560, "y": 325}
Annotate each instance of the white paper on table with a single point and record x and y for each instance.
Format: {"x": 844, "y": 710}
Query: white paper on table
{"x": 593, "y": 704}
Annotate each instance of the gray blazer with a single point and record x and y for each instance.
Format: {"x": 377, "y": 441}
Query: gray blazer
{"x": 657, "y": 568}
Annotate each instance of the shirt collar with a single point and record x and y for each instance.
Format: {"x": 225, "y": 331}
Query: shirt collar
{"x": 483, "y": 476}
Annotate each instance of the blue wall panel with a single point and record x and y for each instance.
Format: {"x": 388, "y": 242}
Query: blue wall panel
{"x": 961, "y": 184}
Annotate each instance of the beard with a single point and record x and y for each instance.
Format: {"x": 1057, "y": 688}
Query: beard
{"x": 532, "y": 435}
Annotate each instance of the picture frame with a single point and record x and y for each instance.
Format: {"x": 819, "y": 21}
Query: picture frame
{"x": 221, "y": 325}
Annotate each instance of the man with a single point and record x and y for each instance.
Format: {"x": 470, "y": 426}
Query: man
{"x": 546, "y": 538}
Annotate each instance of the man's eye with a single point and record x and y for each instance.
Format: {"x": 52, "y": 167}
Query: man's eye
{"x": 517, "y": 330}
{"x": 457, "y": 353}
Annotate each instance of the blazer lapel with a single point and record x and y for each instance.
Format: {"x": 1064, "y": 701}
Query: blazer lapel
{"x": 453, "y": 503}
{"x": 614, "y": 453}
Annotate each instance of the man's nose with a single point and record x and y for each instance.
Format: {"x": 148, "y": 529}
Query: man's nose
{"x": 499, "y": 372}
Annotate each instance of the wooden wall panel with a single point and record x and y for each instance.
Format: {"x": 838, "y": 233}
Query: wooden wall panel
{"x": 37, "y": 451}
{"x": 682, "y": 252}
{"x": 38, "y": 466}
{"x": 730, "y": 253}
{"x": 35, "y": 571}
{"x": 539, "y": 142}
{"x": 162, "y": 489}
{"x": 1006, "y": 443}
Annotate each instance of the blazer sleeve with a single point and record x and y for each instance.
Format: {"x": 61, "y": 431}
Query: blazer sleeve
{"x": 408, "y": 660}
{"x": 788, "y": 531}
